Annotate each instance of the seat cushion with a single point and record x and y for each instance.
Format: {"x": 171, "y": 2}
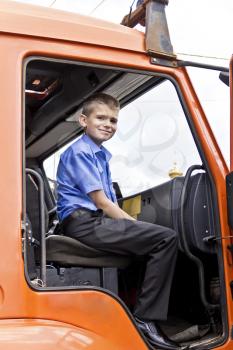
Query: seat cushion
{"x": 68, "y": 251}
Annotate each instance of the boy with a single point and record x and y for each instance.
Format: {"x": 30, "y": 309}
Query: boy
{"x": 88, "y": 210}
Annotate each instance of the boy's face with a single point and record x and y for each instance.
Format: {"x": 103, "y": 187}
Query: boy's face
{"x": 101, "y": 124}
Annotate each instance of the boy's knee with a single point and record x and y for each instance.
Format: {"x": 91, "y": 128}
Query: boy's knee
{"x": 172, "y": 234}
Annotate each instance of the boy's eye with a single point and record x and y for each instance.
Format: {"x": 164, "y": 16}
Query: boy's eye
{"x": 114, "y": 121}
{"x": 102, "y": 117}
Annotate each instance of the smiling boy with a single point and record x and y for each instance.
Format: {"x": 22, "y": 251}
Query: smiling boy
{"x": 88, "y": 210}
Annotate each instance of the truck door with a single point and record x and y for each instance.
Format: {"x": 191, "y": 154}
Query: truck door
{"x": 231, "y": 113}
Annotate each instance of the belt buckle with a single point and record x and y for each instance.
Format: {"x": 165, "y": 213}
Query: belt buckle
{"x": 82, "y": 211}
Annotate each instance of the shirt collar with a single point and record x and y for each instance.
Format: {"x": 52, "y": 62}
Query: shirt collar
{"x": 95, "y": 148}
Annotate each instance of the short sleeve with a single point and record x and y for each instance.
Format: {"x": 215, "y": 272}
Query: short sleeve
{"x": 113, "y": 194}
{"x": 82, "y": 172}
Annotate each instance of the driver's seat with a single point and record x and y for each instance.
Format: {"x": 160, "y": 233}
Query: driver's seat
{"x": 67, "y": 261}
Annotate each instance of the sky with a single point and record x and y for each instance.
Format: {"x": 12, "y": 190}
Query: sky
{"x": 197, "y": 27}
{"x": 201, "y": 31}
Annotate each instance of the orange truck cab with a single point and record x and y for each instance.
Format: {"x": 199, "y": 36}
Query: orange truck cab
{"x": 56, "y": 293}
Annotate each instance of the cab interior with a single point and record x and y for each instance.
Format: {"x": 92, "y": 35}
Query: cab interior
{"x": 54, "y": 93}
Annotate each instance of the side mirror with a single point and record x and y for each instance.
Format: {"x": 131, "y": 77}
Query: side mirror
{"x": 224, "y": 77}
{"x": 229, "y": 190}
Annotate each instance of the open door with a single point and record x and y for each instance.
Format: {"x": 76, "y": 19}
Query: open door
{"x": 231, "y": 112}
{"x": 229, "y": 178}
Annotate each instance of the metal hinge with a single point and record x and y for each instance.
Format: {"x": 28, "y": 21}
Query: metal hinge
{"x": 23, "y": 225}
{"x": 24, "y": 230}
{"x": 163, "y": 62}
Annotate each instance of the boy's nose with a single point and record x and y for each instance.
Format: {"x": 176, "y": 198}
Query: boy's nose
{"x": 107, "y": 123}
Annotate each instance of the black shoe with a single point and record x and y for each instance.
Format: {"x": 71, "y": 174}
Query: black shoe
{"x": 155, "y": 336}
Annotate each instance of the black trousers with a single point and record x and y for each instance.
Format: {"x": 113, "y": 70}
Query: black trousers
{"x": 156, "y": 243}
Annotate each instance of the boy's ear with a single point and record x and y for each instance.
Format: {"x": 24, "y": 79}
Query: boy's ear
{"x": 82, "y": 120}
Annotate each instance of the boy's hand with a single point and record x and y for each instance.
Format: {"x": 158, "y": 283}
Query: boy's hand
{"x": 109, "y": 208}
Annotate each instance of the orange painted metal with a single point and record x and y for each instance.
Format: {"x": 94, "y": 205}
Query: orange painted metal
{"x": 96, "y": 315}
{"x": 219, "y": 170}
{"x": 45, "y": 22}
{"x": 231, "y": 112}
{"x": 26, "y": 334}
{"x": 137, "y": 16}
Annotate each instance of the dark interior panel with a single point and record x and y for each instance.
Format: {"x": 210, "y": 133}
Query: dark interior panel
{"x": 161, "y": 205}
{"x": 56, "y": 90}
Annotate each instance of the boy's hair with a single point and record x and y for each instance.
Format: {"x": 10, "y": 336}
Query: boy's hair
{"x": 100, "y": 98}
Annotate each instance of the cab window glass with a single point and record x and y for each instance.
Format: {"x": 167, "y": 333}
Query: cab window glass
{"x": 153, "y": 140}
{"x": 215, "y": 100}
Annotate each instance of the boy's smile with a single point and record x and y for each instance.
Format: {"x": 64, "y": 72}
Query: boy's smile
{"x": 101, "y": 124}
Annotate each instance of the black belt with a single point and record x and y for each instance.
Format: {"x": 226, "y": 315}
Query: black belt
{"x": 82, "y": 212}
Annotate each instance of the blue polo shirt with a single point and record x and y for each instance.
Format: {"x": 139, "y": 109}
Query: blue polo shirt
{"x": 83, "y": 168}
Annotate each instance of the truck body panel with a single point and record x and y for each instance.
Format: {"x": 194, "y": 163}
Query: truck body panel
{"x": 44, "y": 334}
{"x": 17, "y": 18}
